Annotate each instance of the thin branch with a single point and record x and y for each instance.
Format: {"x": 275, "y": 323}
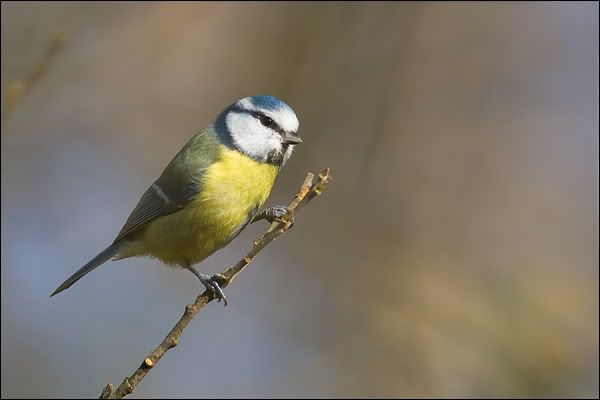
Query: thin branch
{"x": 306, "y": 193}
{"x": 16, "y": 89}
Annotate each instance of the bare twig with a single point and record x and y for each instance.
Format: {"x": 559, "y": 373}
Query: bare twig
{"x": 306, "y": 193}
{"x": 16, "y": 89}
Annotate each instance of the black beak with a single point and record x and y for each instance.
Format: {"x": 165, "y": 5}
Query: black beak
{"x": 291, "y": 138}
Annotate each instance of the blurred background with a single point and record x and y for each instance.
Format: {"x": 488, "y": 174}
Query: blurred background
{"x": 454, "y": 254}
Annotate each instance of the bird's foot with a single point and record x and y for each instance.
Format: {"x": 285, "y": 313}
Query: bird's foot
{"x": 276, "y": 214}
{"x": 212, "y": 283}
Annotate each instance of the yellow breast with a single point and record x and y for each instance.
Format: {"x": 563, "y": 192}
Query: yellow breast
{"x": 232, "y": 188}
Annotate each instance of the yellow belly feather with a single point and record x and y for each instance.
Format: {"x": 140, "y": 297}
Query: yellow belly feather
{"x": 231, "y": 188}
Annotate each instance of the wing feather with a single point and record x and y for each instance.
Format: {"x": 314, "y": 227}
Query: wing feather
{"x": 179, "y": 183}
{"x": 148, "y": 208}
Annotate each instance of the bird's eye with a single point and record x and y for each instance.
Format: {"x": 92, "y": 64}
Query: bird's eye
{"x": 266, "y": 121}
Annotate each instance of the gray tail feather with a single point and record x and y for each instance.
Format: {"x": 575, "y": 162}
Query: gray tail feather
{"x": 100, "y": 259}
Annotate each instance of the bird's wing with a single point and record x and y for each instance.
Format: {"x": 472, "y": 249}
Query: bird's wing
{"x": 177, "y": 185}
{"x": 148, "y": 208}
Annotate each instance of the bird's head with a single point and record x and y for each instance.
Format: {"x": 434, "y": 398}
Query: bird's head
{"x": 261, "y": 127}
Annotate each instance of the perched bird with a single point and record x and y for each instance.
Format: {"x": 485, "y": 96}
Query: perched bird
{"x": 211, "y": 190}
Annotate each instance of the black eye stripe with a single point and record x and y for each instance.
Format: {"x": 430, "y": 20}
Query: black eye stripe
{"x": 266, "y": 121}
{"x": 275, "y": 126}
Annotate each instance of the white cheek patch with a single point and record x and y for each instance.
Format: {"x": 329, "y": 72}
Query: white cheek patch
{"x": 250, "y": 136}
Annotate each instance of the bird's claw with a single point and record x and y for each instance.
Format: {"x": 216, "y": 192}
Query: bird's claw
{"x": 213, "y": 284}
{"x": 281, "y": 214}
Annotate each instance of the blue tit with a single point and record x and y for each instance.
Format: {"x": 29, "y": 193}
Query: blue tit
{"x": 211, "y": 190}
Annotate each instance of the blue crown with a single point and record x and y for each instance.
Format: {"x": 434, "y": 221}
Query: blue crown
{"x": 268, "y": 103}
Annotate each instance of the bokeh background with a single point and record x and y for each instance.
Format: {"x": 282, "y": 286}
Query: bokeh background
{"x": 455, "y": 253}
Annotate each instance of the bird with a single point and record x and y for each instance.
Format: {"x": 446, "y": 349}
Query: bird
{"x": 212, "y": 189}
